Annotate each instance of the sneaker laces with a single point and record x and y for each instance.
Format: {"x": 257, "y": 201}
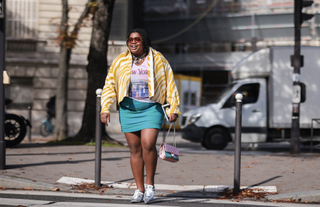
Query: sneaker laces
{"x": 149, "y": 191}
{"x": 137, "y": 193}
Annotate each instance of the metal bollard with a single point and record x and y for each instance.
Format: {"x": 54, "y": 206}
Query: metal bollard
{"x": 237, "y": 148}
{"x": 98, "y": 140}
{"x": 29, "y": 117}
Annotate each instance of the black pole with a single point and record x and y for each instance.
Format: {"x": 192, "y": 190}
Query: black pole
{"x": 295, "y": 126}
{"x": 2, "y": 68}
{"x": 29, "y": 117}
{"x": 237, "y": 148}
{"x": 98, "y": 140}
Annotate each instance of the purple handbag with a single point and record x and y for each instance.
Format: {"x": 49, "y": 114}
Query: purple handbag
{"x": 168, "y": 152}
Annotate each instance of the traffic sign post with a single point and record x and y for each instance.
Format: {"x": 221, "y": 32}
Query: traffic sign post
{"x": 2, "y": 69}
{"x": 296, "y": 63}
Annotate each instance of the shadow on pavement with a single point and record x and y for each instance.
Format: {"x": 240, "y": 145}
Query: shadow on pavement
{"x": 266, "y": 181}
{"x": 62, "y": 162}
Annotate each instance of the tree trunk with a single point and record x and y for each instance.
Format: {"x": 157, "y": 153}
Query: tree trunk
{"x": 61, "y": 125}
{"x": 97, "y": 68}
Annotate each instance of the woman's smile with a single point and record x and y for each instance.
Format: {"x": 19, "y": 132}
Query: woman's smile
{"x": 135, "y": 44}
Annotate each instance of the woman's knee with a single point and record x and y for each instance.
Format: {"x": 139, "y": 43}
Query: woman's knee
{"x": 135, "y": 150}
{"x": 149, "y": 147}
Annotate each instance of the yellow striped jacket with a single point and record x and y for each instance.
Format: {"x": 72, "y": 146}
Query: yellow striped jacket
{"x": 161, "y": 84}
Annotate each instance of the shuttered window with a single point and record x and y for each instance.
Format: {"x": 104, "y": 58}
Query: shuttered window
{"x": 22, "y": 18}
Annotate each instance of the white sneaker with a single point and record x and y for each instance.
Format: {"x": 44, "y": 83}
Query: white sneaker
{"x": 137, "y": 197}
{"x": 148, "y": 193}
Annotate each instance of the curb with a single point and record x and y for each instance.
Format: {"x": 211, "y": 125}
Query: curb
{"x": 22, "y": 183}
{"x": 167, "y": 187}
{"x": 309, "y": 196}
{"x": 191, "y": 191}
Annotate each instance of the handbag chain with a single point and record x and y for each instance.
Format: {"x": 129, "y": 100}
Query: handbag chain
{"x": 174, "y": 134}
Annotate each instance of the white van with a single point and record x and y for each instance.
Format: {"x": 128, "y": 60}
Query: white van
{"x": 265, "y": 78}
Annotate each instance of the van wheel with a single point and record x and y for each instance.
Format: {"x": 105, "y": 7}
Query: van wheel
{"x": 216, "y": 139}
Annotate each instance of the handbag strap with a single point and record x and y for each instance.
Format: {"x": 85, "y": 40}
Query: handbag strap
{"x": 174, "y": 134}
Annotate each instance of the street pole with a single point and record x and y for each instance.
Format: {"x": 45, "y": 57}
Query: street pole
{"x": 30, "y": 119}
{"x": 295, "y": 125}
{"x": 98, "y": 140}
{"x": 2, "y": 69}
{"x": 237, "y": 147}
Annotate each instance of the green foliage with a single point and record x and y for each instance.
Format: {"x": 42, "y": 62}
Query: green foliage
{"x": 104, "y": 144}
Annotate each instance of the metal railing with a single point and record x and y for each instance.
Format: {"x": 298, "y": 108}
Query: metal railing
{"x": 311, "y": 142}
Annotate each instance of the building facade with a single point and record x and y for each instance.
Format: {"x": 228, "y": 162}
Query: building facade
{"x": 207, "y": 38}
{"x": 203, "y": 38}
{"x": 32, "y": 56}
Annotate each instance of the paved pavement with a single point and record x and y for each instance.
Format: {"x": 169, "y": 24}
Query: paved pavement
{"x": 199, "y": 173}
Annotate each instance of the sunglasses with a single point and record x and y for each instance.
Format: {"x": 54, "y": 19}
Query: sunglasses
{"x": 137, "y": 39}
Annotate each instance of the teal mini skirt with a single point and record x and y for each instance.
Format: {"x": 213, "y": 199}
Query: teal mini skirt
{"x": 135, "y": 115}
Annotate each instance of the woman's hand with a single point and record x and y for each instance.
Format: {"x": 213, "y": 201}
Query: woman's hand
{"x": 105, "y": 118}
{"x": 173, "y": 117}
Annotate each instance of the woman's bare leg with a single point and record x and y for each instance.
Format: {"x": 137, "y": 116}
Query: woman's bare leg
{"x": 149, "y": 152}
{"x": 136, "y": 160}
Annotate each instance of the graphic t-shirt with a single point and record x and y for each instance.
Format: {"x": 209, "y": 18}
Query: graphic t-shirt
{"x": 138, "y": 88}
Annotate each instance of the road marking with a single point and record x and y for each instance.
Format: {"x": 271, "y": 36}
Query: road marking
{"x": 196, "y": 188}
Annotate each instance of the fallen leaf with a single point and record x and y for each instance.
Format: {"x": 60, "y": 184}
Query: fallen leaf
{"x": 2, "y": 188}
{"x": 244, "y": 193}
{"x": 56, "y": 189}
{"x": 27, "y": 188}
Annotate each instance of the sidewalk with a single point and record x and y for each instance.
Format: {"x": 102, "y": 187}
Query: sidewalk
{"x": 197, "y": 174}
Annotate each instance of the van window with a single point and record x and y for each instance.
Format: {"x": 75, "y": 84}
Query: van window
{"x": 223, "y": 93}
{"x": 250, "y": 94}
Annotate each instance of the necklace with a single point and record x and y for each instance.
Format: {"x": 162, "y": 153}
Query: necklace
{"x": 137, "y": 60}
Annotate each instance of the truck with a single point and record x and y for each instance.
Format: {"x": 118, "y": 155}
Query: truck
{"x": 265, "y": 79}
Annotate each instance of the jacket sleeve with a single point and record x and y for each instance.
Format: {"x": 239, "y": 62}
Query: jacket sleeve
{"x": 109, "y": 91}
{"x": 172, "y": 92}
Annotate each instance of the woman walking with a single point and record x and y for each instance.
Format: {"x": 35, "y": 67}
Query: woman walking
{"x": 141, "y": 80}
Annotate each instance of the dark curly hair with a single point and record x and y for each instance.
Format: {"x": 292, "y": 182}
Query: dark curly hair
{"x": 144, "y": 35}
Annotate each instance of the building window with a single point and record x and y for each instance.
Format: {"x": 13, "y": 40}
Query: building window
{"x": 22, "y": 19}
{"x": 119, "y": 23}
